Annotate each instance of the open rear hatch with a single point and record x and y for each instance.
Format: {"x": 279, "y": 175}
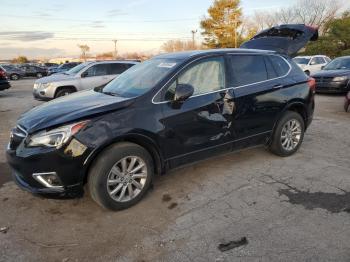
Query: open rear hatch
{"x": 287, "y": 39}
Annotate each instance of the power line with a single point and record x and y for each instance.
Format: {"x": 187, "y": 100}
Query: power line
{"x": 103, "y": 20}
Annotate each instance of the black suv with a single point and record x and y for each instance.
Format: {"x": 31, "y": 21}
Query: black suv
{"x": 168, "y": 111}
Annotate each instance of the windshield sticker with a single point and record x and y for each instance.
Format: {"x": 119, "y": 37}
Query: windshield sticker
{"x": 167, "y": 65}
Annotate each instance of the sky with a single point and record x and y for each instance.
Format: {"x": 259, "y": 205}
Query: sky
{"x": 46, "y": 29}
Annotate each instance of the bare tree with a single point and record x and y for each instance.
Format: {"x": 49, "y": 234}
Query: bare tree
{"x": 311, "y": 12}
{"x": 84, "y": 49}
{"x": 179, "y": 45}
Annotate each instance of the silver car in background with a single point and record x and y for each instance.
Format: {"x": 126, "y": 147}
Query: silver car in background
{"x": 84, "y": 76}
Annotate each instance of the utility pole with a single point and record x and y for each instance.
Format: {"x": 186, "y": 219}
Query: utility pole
{"x": 193, "y": 38}
{"x": 115, "y": 48}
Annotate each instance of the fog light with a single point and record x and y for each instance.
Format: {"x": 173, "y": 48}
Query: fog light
{"x": 48, "y": 179}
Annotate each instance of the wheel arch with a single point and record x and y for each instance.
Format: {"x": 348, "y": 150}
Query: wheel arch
{"x": 71, "y": 87}
{"x": 296, "y": 106}
{"x": 138, "y": 139}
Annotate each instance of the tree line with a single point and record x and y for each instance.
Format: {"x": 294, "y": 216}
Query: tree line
{"x": 225, "y": 26}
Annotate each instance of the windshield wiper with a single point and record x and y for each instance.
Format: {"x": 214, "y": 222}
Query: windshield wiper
{"x": 110, "y": 93}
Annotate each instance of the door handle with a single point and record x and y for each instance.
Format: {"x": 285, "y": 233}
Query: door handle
{"x": 277, "y": 86}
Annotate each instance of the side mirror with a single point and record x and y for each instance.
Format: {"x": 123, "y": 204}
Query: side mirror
{"x": 183, "y": 92}
{"x": 85, "y": 74}
{"x": 322, "y": 67}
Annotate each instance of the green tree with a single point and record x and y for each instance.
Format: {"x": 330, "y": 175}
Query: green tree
{"x": 20, "y": 60}
{"x": 220, "y": 29}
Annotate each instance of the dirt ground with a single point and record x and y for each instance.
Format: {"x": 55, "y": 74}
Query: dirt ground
{"x": 289, "y": 209}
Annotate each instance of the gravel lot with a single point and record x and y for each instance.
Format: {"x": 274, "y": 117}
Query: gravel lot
{"x": 289, "y": 209}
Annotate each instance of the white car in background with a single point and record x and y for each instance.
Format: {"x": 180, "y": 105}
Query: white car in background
{"x": 84, "y": 76}
{"x": 311, "y": 64}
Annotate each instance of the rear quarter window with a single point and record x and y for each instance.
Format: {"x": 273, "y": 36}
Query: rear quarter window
{"x": 280, "y": 66}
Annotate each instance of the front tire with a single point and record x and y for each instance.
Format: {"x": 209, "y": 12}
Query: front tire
{"x": 64, "y": 92}
{"x": 288, "y": 134}
{"x": 121, "y": 176}
{"x": 39, "y": 75}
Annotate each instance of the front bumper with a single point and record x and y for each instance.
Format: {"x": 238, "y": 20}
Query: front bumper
{"x": 332, "y": 87}
{"x": 41, "y": 95}
{"x": 70, "y": 170}
{"x": 4, "y": 85}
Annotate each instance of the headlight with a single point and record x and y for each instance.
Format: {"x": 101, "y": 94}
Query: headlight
{"x": 340, "y": 78}
{"x": 42, "y": 85}
{"x": 56, "y": 137}
{"x": 45, "y": 85}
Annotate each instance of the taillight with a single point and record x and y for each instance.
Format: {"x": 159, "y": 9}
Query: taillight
{"x": 312, "y": 84}
{"x": 2, "y": 73}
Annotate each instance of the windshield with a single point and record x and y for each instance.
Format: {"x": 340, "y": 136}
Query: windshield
{"x": 339, "y": 63}
{"x": 301, "y": 60}
{"x": 77, "y": 69}
{"x": 141, "y": 78}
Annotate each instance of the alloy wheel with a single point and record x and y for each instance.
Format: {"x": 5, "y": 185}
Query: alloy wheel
{"x": 127, "y": 178}
{"x": 291, "y": 135}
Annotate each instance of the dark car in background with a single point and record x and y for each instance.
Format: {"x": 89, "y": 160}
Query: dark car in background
{"x": 171, "y": 110}
{"x": 34, "y": 71}
{"x": 334, "y": 77}
{"x": 63, "y": 68}
{"x": 4, "y": 83}
{"x": 13, "y": 73}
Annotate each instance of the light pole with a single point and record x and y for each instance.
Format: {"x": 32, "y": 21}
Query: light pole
{"x": 115, "y": 48}
{"x": 193, "y": 40}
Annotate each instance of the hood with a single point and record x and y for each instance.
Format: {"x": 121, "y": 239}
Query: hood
{"x": 286, "y": 39}
{"x": 55, "y": 78}
{"x": 70, "y": 108}
{"x": 332, "y": 73}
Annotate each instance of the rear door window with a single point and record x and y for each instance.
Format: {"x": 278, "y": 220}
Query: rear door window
{"x": 280, "y": 65}
{"x": 317, "y": 61}
{"x": 117, "y": 68}
{"x": 248, "y": 69}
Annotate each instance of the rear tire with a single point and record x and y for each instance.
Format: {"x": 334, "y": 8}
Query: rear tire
{"x": 14, "y": 77}
{"x": 64, "y": 92}
{"x": 288, "y": 134}
{"x": 112, "y": 181}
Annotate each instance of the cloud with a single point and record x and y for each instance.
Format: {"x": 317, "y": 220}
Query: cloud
{"x": 26, "y": 36}
{"x": 30, "y": 52}
{"x": 97, "y": 24}
{"x": 116, "y": 12}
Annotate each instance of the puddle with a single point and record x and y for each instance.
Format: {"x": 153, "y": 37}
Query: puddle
{"x": 5, "y": 173}
{"x": 332, "y": 202}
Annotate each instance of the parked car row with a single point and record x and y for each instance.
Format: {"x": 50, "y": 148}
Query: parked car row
{"x": 171, "y": 110}
{"x": 62, "y": 68}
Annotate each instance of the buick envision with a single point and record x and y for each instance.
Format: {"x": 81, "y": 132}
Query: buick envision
{"x": 171, "y": 110}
